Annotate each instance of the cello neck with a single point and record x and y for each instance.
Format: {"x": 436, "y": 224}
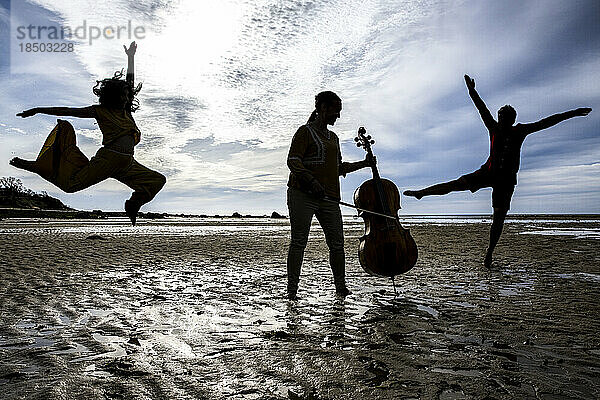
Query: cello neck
{"x": 379, "y": 187}
{"x": 380, "y": 191}
{"x": 365, "y": 142}
{"x": 374, "y": 170}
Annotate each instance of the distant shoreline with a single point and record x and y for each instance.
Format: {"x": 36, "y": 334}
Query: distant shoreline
{"x": 6, "y": 213}
{"x": 99, "y": 214}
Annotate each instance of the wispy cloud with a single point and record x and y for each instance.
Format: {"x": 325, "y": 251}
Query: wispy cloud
{"x": 227, "y": 83}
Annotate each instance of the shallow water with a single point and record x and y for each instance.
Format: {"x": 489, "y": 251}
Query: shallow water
{"x": 196, "y": 309}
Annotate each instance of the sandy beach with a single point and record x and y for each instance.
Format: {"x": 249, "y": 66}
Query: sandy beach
{"x": 195, "y": 309}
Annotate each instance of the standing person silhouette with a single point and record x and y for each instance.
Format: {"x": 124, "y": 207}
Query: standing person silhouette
{"x": 62, "y": 163}
{"x": 500, "y": 170}
{"x": 315, "y": 164}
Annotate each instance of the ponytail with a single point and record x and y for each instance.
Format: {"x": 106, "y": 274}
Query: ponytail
{"x": 312, "y": 117}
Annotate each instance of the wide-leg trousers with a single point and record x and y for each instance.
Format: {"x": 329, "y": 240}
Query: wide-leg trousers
{"x": 62, "y": 163}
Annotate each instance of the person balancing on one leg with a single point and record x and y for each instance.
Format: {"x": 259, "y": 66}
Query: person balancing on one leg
{"x": 62, "y": 163}
{"x": 500, "y": 170}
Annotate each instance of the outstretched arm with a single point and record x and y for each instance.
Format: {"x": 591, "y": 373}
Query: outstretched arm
{"x": 486, "y": 116}
{"x": 347, "y": 167}
{"x": 81, "y": 112}
{"x": 130, "y": 62}
{"x": 554, "y": 119}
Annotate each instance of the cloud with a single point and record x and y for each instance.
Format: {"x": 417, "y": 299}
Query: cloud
{"x": 226, "y": 84}
{"x": 425, "y": 125}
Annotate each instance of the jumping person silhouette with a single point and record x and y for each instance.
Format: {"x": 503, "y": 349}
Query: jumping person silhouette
{"x": 62, "y": 163}
{"x": 500, "y": 170}
{"x": 315, "y": 162}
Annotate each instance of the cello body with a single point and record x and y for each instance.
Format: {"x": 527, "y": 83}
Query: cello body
{"x": 386, "y": 249}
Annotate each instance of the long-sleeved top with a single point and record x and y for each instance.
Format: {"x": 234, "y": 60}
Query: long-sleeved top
{"x": 316, "y": 155}
{"x": 506, "y": 142}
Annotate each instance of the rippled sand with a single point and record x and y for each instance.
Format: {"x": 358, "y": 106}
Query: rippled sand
{"x": 196, "y": 309}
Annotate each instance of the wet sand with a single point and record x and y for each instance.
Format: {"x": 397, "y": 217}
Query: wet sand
{"x": 195, "y": 309}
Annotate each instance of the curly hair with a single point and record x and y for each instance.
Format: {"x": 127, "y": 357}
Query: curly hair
{"x": 110, "y": 90}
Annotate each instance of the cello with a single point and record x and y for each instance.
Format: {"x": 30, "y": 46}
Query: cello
{"x": 386, "y": 249}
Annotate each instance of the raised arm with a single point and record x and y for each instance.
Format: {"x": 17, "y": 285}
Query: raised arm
{"x": 81, "y": 112}
{"x": 486, "y": 116}
{"x": 130, "y": 62}
{"x": 554, "y": 119}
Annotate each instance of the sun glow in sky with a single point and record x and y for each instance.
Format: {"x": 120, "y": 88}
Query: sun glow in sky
{"x": 228, "y": 82}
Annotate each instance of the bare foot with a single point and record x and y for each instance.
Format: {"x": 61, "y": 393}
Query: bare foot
{"x": 131, "y": 209}
{"x": 292, "y": 296}
{"x": 23, "y": 164}
{"x": 413, "y": 193}
{"x": 487, "y": 262}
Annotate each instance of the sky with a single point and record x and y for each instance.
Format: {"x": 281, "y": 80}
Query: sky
{"x": 226, "y": 83}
